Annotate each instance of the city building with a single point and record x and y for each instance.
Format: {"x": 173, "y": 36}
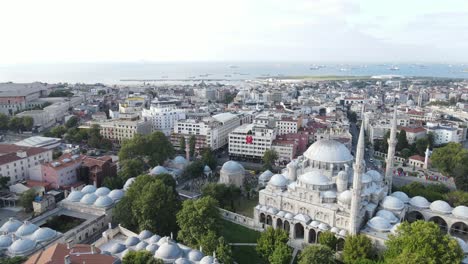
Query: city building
{"x": 121, "y": 129}
{"x": 444, "y": 134}
{"x": 163, "y": 115}
{"x": 250, "y": 141}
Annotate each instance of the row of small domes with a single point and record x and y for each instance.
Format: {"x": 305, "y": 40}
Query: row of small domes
{"x": 100, "y": 197}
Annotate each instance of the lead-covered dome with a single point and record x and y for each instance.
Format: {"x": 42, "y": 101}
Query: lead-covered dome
{"x": 195, "y": 255}
{"x": 75, "y": 196}
{"x": 154, "y": 239}
{"x": 387, "y": 215}
{"x": 128, "y": 183}
{"x": 379, "y": 224}
{"x": 88, "y": 189}
{"x": 231, "y": 167}
{"x": 21, "y": 247}
{"x": 207, "y": 260}
{"x": 328, "y": 150}
{"x": 145, "y": 234}
{"x": 116, "y": 195}
{"x": 278, "y": 180}
{"x": 10, "y": 226}
{"x": 44, "y": 234}
{"x": 141, "y": 246}
{"x": 158, "y": 170}
{"x": 131, "y": 241}
{"x": 461, "y": 211}
{"x": 420, "y": 202}
{"x": 441, "y": 207}
{"x": 345, "y": 197}
{"x": 102, "y": 191}
{"x": 314, "y": 177}
{"x": 117, "y": 248}
{"x": 26, "y": 229}
{"x": 180, "y": 160}
{"x": 182, "y": 261}
{"x": 5, "y": 241}
{"x": 376, "y": 176}
{"x": 265, "y": 176}
{"x": 402, "y": 196}
{"x": 152, "y": 248}
{"x": 391, "y": 203}
{"x": 168, "y": 251}
{"x": 89, "y": 198}
{"x": 103, "y": 201}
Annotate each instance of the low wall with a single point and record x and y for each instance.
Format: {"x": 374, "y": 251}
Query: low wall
{"x": 239, "y": 219}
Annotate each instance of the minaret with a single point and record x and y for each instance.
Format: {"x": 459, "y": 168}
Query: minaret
{"x": 359, "y": 166}
{"x": 392, "y": 141}
{"x": 426, "y": 158}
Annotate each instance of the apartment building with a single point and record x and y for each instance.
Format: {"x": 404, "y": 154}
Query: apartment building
{"x": 250, "y": 141}
{"x": 163, "y": 116}
{"x": 121, "y": 129}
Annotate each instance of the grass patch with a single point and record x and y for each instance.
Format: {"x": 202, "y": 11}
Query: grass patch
{"x": 245, "y": 207}
{"x": 62, "y": 223}
{"x": 234, "y": 233}
{"x": 246, "y": 255}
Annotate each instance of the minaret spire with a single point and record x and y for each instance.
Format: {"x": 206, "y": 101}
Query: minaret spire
{"x": 392, "y": 141}
{"x": 359, "y": 166}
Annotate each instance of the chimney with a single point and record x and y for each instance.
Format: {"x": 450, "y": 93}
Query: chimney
{"x": 93, "y": 249}
{"x": 67, "y": 259}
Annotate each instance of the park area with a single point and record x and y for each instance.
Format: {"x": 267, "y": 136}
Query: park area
{"x": 234, "y": 233}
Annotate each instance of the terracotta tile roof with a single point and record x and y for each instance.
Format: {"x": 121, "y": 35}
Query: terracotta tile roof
{"x": 57, "y": 252}
{"x": 417, "y": 157}
{"x": 413, "y": 129}
{"x": 8, "y": 152}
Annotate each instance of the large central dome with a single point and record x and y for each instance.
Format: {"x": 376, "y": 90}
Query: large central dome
{"x": 327, "y": 150}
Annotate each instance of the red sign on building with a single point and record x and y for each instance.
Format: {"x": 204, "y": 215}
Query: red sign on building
{"x": 249, "y": 140}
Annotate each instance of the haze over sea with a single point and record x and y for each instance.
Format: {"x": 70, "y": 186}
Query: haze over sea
{"x": 119, "y": 73}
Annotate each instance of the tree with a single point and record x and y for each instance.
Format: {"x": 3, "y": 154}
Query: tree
{"x": 317, "y": 254}
{"x": 352, "y": 116}
{"x": 197, "y": 218}
{"x": 422, "y": 240}
{"x": 192, "y": 143}
{"x": 113, "y": 182}
{"x": 131, "y": 168}
{"x": 13, "y": 260}
{"x": 143, "y": 148}
{"x": 432, "y": 192}
{"x": 182, "y": 143}
{"x": 58, "y": 131}
{"x": 281, "y": 254}
{"x": 405, "y": 153}
{"x": 457, "y": 198}
{"x": 460, "y": 175}
{"x": 448, "y": 157}
{"x": 402, "y": 141}
{"x": 224, "y": 252}
{"x": 356, "y": 247}
{"x": 329, "y": 239}
{"x": 72, "y": 122}
{"x": 194, "y": 169}
{"x": 209, "y": 158}
{"x": 168, "y": 180}
{"x": 149, "y": 204}
{"x": 269, "y": 240}
{"x": 4, "y": 182}
{"x": 221, "y": 192}
{"x": 208, "y": 242}
{"x": 27, "y": 198}
{"x": 269, "y": 158}
{"x": 4, "y": 120}
{"x": 15, "y": 124}
{"x": 140, "y": 257}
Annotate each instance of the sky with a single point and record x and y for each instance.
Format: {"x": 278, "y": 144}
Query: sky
{"x": 57, "y": 31}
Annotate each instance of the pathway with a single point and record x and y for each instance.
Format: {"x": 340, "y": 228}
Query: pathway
{"x": 294, "y": 255}
{"x": 243, "y": 244}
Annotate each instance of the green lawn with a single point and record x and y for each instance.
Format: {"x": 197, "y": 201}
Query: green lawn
{"x": 246, "y": 255}
{"x": 234, "y": 233}
{"x": 245, "y": 207}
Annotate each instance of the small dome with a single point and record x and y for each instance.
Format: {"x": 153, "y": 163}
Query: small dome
{"x": 154, "y": 239}
{"x": 89, "y": 198}
{"x": 5, "y": 241}
{"x": 366, "y": 178}
{"x": 182, "y": 261}
{"x": 419, "y": 201}
{"x": 75, "y": 196}
{"x": 168, "y": 251}
{"x": 26, "y": 229}
{"x": 324, "y": 226}
{"x": 302, "y": 217}
{"x": 395, "y": 228}
{"x": 462, "y": 244}
{"x": 180, "y": 160}
{"x": 128, "y": 183}
{"x": 343, "y": 232}
{"x": 345, "y": 197}
{"x": 207, "y": 260}
{"x": 88, "y": 189}
{"x": 441, "y": 207}
{"x": 132, "y": 241}
{"x": 125, "y": 252}
{"x": 387, "y": 215}
{"x": 103, "y": 201}
{"x": 145, "y": 234}
{"x": 281, "y": 213}
{"x": 140, "y": 246}
{"x": 158, "y": 170}
{"x": 265, "y": 176}
{"x": 342, "y": 176}
{"x": 334, "y": 230}
{"x": 152, "y": 248}
{"x": 289, "y": 216}
{"x": 402, "y": 196}
{"x": 195, "y": 255}
{"x": 376, "y": 176}
{"x": 314, "y": 224}
{"x": 272, "y": 210}
{"x": 278, "y": 180}
{"x": 206, "y": 169}
{"x": 44, "y": 234}
{"x": 116, "y": 195}
{"x": 10, "y": 226}
{"x": 232, "y": 167}
{"x": 117, "y": 248}
{"x": 329, "y": 194}
{"x": 314, "y": 177}
{"x": 380, "y": 224}
{"x": 328, "y": 150}
{"x": 461, "y": 211}
{"x": 393, "y": 204}
{"x": 22, "y": 246}
{"x": 102, "y": 191}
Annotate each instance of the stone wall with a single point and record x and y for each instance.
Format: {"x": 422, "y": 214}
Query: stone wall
{"x": 239, "y": 219}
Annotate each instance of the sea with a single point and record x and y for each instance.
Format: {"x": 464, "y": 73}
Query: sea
{"x": 182, "y": 72}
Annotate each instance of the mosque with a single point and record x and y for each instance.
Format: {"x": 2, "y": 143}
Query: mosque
{"x": 327, "y": 189}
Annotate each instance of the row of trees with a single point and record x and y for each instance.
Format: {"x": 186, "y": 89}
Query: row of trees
{"x": 16, "y": 123}
{"x": 435, "y": 192}
{"x": 403, "y": 147}
{"x": 452, "y": 160}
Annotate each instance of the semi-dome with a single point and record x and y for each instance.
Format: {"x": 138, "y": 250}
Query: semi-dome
{"x": 89, "y": 199}
{"x": 102, "y": 191}
{"x": 145, "y": 234}
{"x": 88, "y": 189}
{"x": 278, "y": 180}
{"x": 103, "y": 201}
{"x": 154, "y": 239}
{"x": 140, "y": 246}
{"x": 132, "y": 241}
{"x": 128, "y": 183}
{"x": 180, "y": 160}
{"x": 461, "y": 211}
{"x": 10, "y": 226}
{"x": 265, "y": 176}
{"x": 182, "y": 261}
{"x": 387, "y": 215}
{"x": 232, "y": 167}
{"x": 376, "y": 176}
{"x": 158, "y": 170}
{"x": 44, "y": 234}
{"x": 116, "y": 195}
{"x": 22, "y": 246}
{"x": 26, "y": 229}
{"x": 314, "y": 177}
{"x": 420, "y": 202}
{"x": 207, "y": 260}
{"x": 402, "y": 196}
{"x": 328, "y": 150}
{"x": 393, "y": 204}
{"x": 345, "y": 197}
{"x": 5, "y": 241}
{"x": 379, "y": 224}
{"x": 441, "y": 207}
{"x": 152, "y": 248}
{"x": 75, "y": 196}
{"x": 168, "y": 251}
{"x": 117, "y": 248}
{"x": 195, "y": 255}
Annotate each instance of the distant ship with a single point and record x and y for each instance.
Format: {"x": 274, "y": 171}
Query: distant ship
{"x": 233, "y": 66}
{"x": 394, "y": 68}
{"x": 313, "y": 68}
{"x": 228, "y": 75}
{"x": 344, "y": 69}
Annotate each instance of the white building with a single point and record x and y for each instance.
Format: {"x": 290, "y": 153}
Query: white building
{"x": 163, "y": 116}
{"x": 119, "y": 130}
{"x": 250, "y": 141}
{"x": 443, "y": 134}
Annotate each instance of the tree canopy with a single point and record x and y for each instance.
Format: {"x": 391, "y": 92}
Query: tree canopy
{"x": 223, "y": 193}
{"x": 317, "y": 254}
{"x": 209, "y": 158}
{"x": 328, "y": 239}
{"x": 356, "y": 247}
{"x": 452, "y": 160}
{"x": 269, "y": 158}
{"x": 419, "y": 241}
{"x": 140, "y": 257}
{"x": 27, "y": 198}
{"x": 281, "y": 254}
{"x": 402, "y": 141}
{"x": 269, "y": 240}
{"x": 154, "y": 148}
